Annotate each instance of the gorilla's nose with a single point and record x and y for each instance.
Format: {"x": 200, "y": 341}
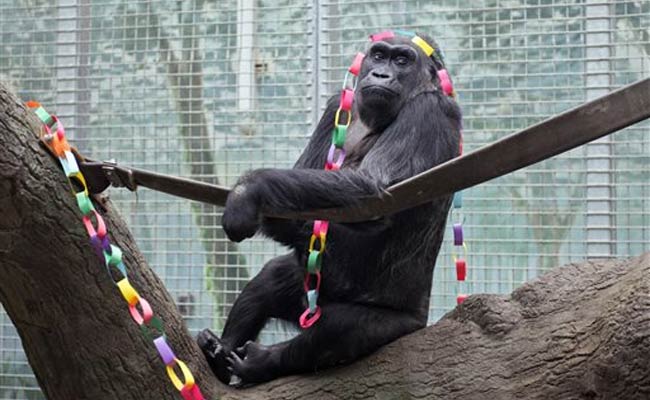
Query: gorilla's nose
{"x": 381, "y": 75}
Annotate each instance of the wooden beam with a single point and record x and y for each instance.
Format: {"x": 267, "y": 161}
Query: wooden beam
{"x": 546, "y": 139}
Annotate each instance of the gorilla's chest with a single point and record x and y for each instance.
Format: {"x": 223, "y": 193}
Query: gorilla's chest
{"x": 356, "y": 132}
{"x": 358, "y": 143}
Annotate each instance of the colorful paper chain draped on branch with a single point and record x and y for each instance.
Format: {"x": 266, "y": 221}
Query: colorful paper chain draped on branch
{"x": 151, "y": 326}
{"x": 335, "y": 158}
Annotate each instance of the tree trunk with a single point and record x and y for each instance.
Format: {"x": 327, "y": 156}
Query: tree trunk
{"x": 579, "y": 332}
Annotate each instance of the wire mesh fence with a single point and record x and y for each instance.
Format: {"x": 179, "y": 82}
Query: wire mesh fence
{"x": 208, "y": 90}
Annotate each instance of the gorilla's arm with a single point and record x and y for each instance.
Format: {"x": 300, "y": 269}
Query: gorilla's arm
{"x": 423, "y": 135}
{"x": 287, "y": 231}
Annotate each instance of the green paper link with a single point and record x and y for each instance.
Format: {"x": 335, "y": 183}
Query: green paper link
{"x": 458, "y": 199}
{"x": 84, "y": 203}
{"x": 156, "y": 323}
{"x": 44, "y": 116}
{"x": 338, "y": 135}
{"x": 114, "y": 258}
{"x": 314, "y": 261}
{"x": 312, "y": 300}
{"x": 404, "y": 33}
{"x": 345, "y": 80}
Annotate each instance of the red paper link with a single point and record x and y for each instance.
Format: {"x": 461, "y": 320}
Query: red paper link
{"x": 460, "y": 298}
{"x": 347, "y": 96}
{"x": 356, "y": 64}
{"x": 461, "y": 269}
{"x": 308, "y": 281}
{"x": 192, "y": 393}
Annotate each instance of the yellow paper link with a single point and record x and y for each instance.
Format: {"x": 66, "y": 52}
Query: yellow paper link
{"x": 187, "y": 375}
{"x": 428, "y": 50}
{"x": 338, "y": 115}
{"x": 128, "y": 292}
{"x": 312, "y": 241}
{"x": 78, "y": 176}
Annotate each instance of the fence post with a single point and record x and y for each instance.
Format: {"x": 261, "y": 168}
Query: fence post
{"x": 600, "y": 221}
{"x": 317, "y": 78}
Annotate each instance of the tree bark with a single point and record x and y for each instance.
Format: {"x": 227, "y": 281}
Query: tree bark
{"x": 579, "y": 332}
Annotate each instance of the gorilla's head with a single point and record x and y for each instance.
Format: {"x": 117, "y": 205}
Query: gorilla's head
{"x": 394, "y": 70}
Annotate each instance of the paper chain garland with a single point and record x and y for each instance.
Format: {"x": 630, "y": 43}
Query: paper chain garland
{"x": 151, "y": 326}
{"x": 335, "y": 158}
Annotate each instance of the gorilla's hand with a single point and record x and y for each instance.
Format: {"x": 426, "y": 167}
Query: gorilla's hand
{"x": 253, "y": 363}
{"x": 241, "y": 218}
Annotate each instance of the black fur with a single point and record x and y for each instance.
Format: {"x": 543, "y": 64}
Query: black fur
{"x": 377, "y": 275}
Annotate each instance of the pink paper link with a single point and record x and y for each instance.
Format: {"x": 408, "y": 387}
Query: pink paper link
{"x": 445, "y": 82}
{"x": 320, "y": 228}
{"x": 147, "y": 312}
{"x": 382, "y": 36}
{"x": 356, "y": 64}
{"x": 306, "y": 321}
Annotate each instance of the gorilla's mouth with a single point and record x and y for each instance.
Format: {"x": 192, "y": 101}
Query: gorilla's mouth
{"x": 377, "y": 90}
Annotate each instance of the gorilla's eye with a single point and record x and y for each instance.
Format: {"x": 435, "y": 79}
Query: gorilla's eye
{"x": 378, "y": 55}
{"x": 401, "y": 60}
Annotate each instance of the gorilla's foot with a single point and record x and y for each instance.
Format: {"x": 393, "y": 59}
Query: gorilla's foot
{"x": 215, "y": 353}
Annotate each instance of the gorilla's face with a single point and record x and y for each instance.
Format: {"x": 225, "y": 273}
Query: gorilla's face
{"x": 393, "y": 71}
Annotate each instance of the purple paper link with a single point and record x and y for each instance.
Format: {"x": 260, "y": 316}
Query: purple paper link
{"x": 332, "y": 152}
{"x": 97, "y": 246}
{"x": 341, "y": 157}
{"x": 106, "y": 245}
{"x": 458, "y": 234}
{"x": 164, "y": 350}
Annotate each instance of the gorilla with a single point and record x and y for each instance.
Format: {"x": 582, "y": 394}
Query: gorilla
{"x": 376, "y": 275}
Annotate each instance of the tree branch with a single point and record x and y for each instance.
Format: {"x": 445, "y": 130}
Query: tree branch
{"x": 579, "y": 332}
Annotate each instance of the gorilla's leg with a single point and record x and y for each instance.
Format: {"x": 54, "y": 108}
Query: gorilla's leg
{"x": 276, "y": 292}
{"x": 344, "y": 333}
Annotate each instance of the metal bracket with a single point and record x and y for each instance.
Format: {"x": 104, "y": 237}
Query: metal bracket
{"x": 119, "y": 176}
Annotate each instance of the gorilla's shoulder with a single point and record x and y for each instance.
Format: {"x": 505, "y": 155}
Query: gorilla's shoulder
{"x": 436, "y": 100}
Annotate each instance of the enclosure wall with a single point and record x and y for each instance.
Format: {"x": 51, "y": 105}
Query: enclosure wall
{"x": 208, "y": 90}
